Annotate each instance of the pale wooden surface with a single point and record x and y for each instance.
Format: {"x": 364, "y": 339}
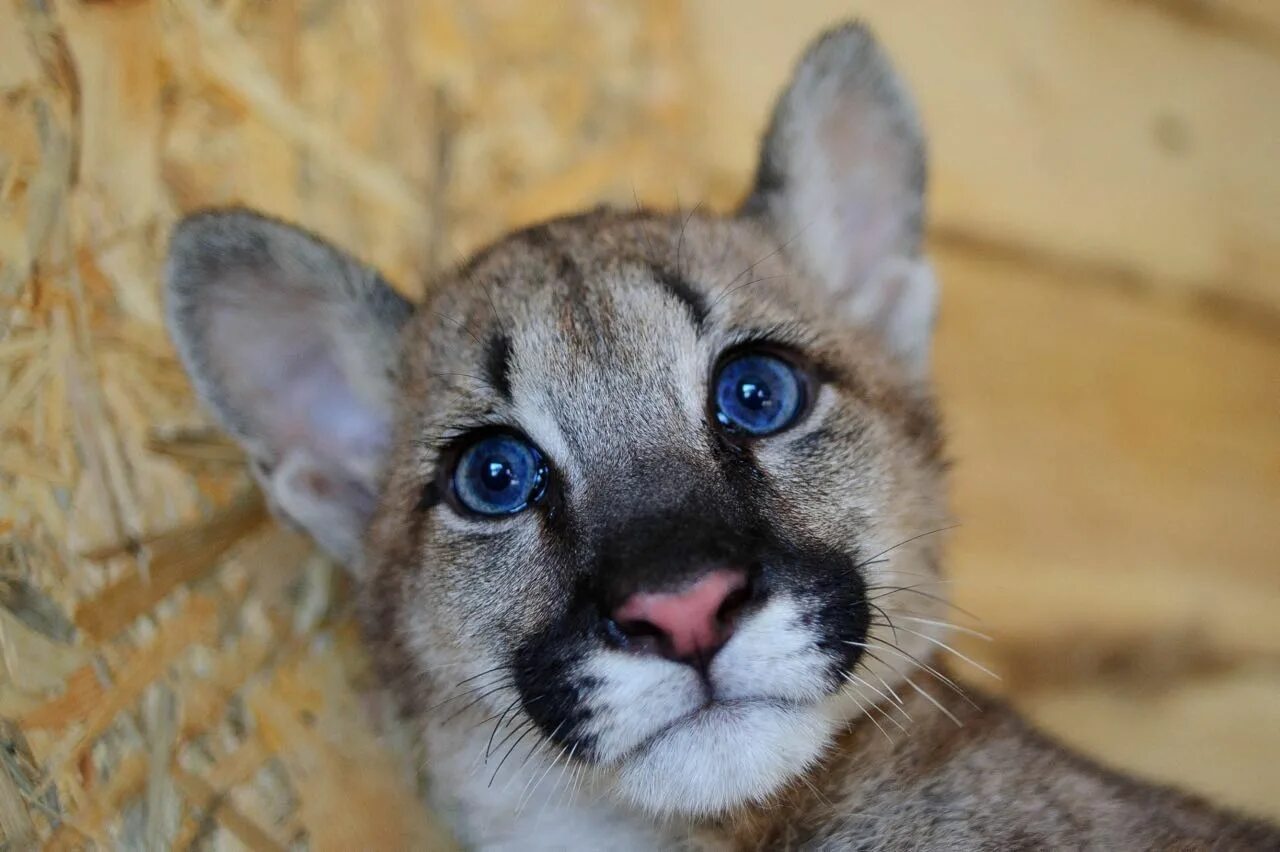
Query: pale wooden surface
{"x": 1105, "y": 222}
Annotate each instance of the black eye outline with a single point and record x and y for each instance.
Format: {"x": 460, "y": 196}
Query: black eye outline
{"x": 453, "y": 458}
{"x": 801, "y": 370}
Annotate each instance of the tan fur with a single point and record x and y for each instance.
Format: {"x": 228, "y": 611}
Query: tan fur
{"x": 993, "y": 783}
{"x": 827, "y": 721}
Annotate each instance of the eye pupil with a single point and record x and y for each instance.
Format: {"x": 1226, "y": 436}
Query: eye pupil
{"x": 757, "y": 393}
{"x": 499, "y": 474}
{"x": 754, "y": 394}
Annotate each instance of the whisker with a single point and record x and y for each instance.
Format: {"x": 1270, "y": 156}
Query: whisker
{"x": 512, "y": 733}
{"x": 876, "y": 690}
{"x": 888, "y": 622}
{"x": 566, "y": 776}
{"x": 909, "y": 540}
{"x": 888, "y": 590}
{"x": 463, "y": 694}
{"x": 744, "y": 284}
{"x": 895, "y": 650}
{"x": 528, "y": 727}
{"x": 944, "y": 646}
{"x": 867, "y": 650}
{"x": 816, "y": 792}
{"x": 891, "y": 718}
{"x": 497, "y": 317}
{"x": 460, "y": 325}
{"x": 886, "y": 645}
{"x": 575, "y": 782}
{"x": 583, "y": 781}
{"x": 874, "y": 721}
{"x": 725, "y": 291}
{"x": 922, "y": 615}
{"x": 477, "y": 700}
{"x": 936, "y": 703}
{"x": 680, "y": 242}
{"x": 550, "y": 739}
{"x": 885, "y": 684}
{"x": 475, "y": 676}
{"x": 923, "y": 575}
{"x": 523, "y": 800}
{"x": 489, "y": 745}
{"x": 486, "y": 720}
{"x": 477, "y": 379}
{"x": 947, "y": 624}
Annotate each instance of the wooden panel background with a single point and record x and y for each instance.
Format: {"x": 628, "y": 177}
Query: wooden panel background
{"x": 177, "y": 672}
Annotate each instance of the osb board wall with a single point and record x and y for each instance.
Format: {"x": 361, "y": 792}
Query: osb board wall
{"x": 179, "y": 672}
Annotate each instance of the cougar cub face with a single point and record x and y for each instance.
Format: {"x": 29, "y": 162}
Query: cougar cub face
{"x": 644, "y": 491}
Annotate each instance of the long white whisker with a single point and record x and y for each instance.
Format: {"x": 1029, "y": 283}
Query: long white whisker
{"x": 947, "y": 624}
{"x": 924, "y": 575}
{"x": 816, "y": 792}
{"x": 571, "y": 791}
{"x": 874, "y": 721}
{"x": 921, "y": 615}
{"x": 888, "y": 718}
{"x": 898, "y": 652}
{"x": 525, "y": 799}
{"x": 889, "y": 590}
{"x": 885, "y": 591}
{"x": 877, "y": 691}
{"x": 885, "y": 684}
{"x": 936, "y": 703}
{"x": 943, "y": 645}
{"x": 564, "y": 776}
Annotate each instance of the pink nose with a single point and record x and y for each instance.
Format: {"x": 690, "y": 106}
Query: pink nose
{"x": 689, "y": 625}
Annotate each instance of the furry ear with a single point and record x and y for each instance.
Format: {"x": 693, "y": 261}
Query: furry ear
{"x": 841, "y": 180}
{"x": 291, "y": 344}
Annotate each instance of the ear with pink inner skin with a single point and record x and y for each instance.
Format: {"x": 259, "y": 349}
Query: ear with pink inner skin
{"x": 841, "y": 184}
{"x": 292, "y": 345}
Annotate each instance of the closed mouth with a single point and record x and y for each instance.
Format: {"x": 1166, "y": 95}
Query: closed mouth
{"x": 709, "y": 707}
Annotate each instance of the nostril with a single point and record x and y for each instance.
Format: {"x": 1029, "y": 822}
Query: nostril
{"x": 638, "y": 628}
{"x": 636, "y": 635}
{"x": 733, "y": 605}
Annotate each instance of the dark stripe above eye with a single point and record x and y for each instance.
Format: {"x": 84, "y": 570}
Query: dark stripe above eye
{"x": 497, "y": 365}
{"x": 685, "y": 293}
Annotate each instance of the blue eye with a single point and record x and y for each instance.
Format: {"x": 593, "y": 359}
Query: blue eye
{"x": 758, "y": 394}
{"x": 499, "y": 475}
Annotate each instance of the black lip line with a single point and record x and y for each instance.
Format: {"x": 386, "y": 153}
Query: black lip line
{"x": 765, "y": 700}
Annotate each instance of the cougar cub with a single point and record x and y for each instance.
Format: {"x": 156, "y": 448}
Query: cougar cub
{"x": 644, "y": 509}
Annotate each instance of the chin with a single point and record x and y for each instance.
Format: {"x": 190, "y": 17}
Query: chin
{"x": 724, "y": 756}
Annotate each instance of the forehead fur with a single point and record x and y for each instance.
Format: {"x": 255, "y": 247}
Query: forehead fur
{"x": 595, "y": 310}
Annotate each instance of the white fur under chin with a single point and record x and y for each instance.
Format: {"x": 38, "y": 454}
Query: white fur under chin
{"x": 727, "y": 755}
